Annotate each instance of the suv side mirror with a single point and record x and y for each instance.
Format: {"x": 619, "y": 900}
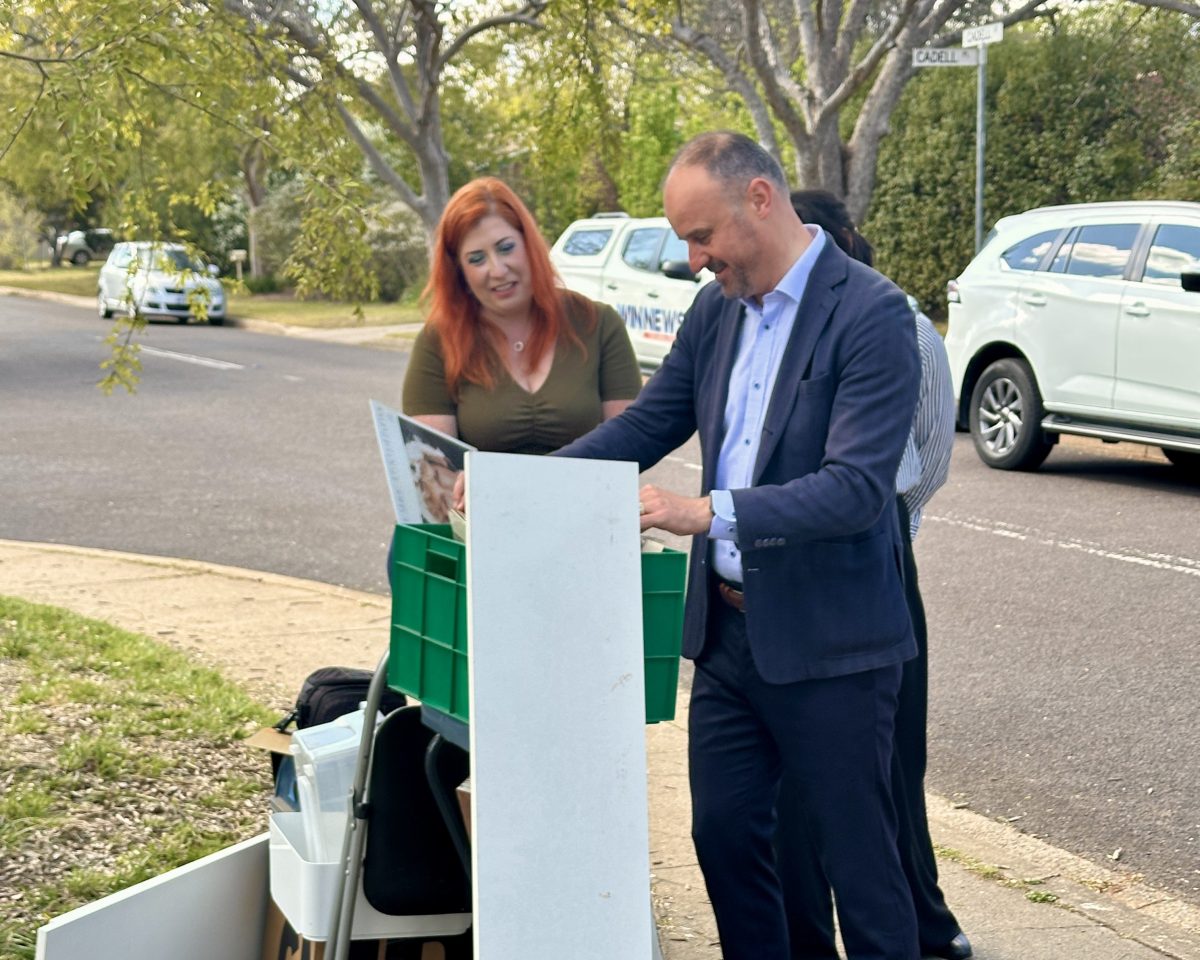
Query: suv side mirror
{"x": 677, "y": 270}
{"x": 1190, "y": 278}
{"x": 213, "y": 270}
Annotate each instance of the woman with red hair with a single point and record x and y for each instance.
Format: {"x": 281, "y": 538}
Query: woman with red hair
{"x": 508, "y": 359}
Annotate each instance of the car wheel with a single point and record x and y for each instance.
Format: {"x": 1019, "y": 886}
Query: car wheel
{"x": 1006, "y": 417}
{"x": 80, "y": 258}
{"x": 1187, "y": 461}
{"x": 216, "y": 321}
{"x": 102, "y": 308}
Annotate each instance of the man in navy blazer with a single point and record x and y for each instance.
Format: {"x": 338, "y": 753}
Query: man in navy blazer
{"x": 799, "y": 369}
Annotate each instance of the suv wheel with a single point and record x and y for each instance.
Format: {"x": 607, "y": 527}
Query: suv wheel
{"x": 102, "y": 307}
{"x": 1006, "y": 417}
{"x": 1187, "y": 462}
{"x": 80, "y": 258}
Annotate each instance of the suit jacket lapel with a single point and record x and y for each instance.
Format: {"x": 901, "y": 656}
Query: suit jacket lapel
{"x": 821, "y": 295}
{"x": 729, "y": 325}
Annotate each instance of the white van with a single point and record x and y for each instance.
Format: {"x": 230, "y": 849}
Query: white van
{"x": 639, "y": 267}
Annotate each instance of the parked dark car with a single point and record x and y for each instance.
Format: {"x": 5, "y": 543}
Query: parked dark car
{"x": 80, "y": 246}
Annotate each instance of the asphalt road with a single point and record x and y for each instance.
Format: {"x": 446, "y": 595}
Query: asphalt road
{"x": 1063, "y": 605}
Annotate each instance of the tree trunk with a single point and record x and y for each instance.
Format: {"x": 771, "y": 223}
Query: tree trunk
{"x": 254, "y": 173}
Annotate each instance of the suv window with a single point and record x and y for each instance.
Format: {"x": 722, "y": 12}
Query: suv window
{"x": 1028, "y": 254}
{"x": 674, "y": 248}
{"x": 1175, "y": 247}
{"x": 586, "y": 243}
{"x": 641, "y": 249}
{"x": 1102, "y": 250}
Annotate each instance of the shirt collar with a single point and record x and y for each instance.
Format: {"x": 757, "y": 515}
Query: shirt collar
{"x": 793, "y": 283}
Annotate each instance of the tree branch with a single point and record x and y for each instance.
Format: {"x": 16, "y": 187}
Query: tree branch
{"x": 381, "y": 167}
{"x": 388, "y": 48}
{"x": 738, "y": 82}
{"x": 527, "y": 16}
{"x": 782, "y": 93}
{"x": 1179, "y": 6}
{"x": 868, "y": 64}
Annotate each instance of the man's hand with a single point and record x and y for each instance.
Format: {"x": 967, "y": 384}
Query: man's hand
{"x": 674, "y": 513}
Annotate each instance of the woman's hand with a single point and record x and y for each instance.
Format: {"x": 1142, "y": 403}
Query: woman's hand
{"x": 459, "y": 498}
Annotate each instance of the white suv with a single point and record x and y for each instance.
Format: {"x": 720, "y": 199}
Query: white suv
{"x": 639, "y": 267}
{"x": 1081, "y": 319}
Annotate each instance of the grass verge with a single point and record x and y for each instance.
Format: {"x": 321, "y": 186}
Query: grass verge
{"x": 80, "y": 281}
{"x": 283, "y": 308}
{"x": 122, "y": 760}
{"x": 279, "y": 307}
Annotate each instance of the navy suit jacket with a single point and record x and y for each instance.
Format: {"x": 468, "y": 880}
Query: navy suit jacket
{"x": 820, "y": 541}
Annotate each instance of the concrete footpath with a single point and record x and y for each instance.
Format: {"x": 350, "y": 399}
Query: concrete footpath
{"x": 1017, "y": 898}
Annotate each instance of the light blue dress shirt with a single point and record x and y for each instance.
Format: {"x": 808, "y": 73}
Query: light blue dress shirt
{"x": 764, "y": 336}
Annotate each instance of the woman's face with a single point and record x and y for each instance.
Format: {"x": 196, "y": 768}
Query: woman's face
{"x": 495, "y": 265}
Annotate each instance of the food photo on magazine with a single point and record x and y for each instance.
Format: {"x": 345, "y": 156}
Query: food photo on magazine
{"x": 420, "y": 463}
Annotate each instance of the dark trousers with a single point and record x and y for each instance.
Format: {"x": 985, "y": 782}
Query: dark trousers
{"x": 805, "y": 882}
{"x": 833, "y": 739}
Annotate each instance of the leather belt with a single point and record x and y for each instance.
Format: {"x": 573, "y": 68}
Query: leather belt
{"x": 732, "y": 596}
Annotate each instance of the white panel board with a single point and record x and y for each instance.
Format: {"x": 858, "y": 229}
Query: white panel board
{"x": 213, "y": 907}
{"x": 558, "y": 765}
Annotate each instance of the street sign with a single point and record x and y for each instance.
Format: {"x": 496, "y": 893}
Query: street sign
{"x": 987, "y": 33}
{"x": 945, "y": 57}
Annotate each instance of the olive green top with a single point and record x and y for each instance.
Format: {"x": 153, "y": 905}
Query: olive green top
{"x": 510, "y": 419}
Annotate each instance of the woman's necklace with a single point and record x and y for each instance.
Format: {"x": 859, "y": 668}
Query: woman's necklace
{"x": 518, "y": 346}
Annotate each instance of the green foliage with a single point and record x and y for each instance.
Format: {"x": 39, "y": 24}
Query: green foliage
{"x": 398, "y": 260}
{"x": 18, "y": 232}
{"x": 653, "y": 120}
{"x": 277, "y": 223}
{"x": 1073, "y": 117}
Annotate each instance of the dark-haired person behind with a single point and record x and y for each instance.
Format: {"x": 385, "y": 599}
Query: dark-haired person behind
{"x": 509, "y": 360}
{"x": 923, "y": 469}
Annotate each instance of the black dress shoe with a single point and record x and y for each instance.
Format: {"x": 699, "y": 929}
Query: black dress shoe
{"x": 957, "y": 949}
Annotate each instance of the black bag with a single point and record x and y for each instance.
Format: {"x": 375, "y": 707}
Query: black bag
{"x": 325, "y": 695}
{"x": 332, "y": 692}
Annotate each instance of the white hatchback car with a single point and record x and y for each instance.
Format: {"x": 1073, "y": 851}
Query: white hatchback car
{"x": 1081, "y": 319}
{"x": 159, "y": 280}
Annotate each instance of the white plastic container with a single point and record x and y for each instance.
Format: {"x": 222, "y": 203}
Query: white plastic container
{"x": 304, "y": 888}
{"x": 325, "y": 757}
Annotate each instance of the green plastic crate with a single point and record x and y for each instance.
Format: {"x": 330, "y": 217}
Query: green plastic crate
{"x": 429, "y": 644}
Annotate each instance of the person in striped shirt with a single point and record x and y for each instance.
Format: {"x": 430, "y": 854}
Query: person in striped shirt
{"x": 923, "y": 469}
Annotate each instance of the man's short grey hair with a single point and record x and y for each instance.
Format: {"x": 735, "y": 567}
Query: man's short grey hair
{"x": 731, "y": 158}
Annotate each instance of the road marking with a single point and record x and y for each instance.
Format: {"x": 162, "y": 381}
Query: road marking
{"x": 686, "y": 463}
{"x": 1157, "y": 561}
{"x": 191, "y": 358}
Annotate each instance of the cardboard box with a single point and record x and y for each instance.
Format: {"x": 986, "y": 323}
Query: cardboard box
{"x": 281, "y": 942}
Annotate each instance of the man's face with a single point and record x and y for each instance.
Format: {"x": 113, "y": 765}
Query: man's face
{"x": 716, "y": 228}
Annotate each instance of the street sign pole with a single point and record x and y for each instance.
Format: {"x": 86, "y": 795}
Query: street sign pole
{"x": 980, "y": 143}
{"x": 980, "y": 37}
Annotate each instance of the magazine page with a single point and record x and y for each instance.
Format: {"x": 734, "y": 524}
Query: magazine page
{"x": 420, "y": 463}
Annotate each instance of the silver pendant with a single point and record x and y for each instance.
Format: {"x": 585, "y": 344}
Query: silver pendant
{"x": 518, "y": 346}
